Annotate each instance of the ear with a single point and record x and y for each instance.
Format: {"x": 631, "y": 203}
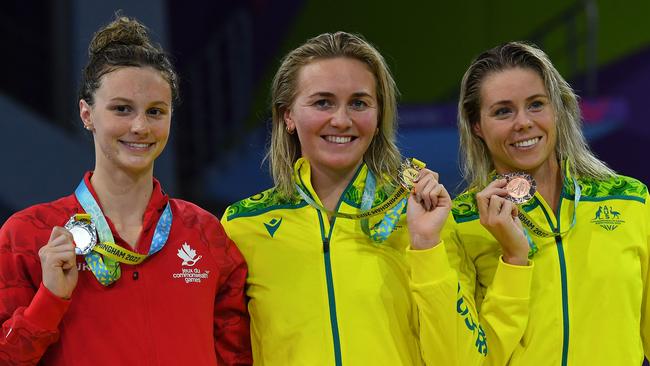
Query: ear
{"x": 288, "y": 120}
{"x": 84, "y": 114}
{"x": 476, "y": 128}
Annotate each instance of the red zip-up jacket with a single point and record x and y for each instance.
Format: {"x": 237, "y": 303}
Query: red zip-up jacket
{"x": 164, "y": 311}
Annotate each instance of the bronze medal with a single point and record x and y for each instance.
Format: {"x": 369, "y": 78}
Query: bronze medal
{"x": 83, "y": 232}
{"x": 521, "y": 187}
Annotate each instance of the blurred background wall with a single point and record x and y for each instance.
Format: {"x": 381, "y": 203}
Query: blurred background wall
{"x": 227, "y": 51}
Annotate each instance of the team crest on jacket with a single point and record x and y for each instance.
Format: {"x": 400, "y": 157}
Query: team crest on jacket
{"x": 607, "y": 217}
{"x": 190, "y": 258}
{"x": 188, "y": 255}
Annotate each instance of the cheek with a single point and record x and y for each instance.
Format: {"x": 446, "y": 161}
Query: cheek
{"x": 367, "y": 121}
{"x": 309, "y": 120}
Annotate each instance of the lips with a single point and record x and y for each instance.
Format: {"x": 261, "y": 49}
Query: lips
{"x": 526, "y": 143}
{"x": 137, "y": 145}
{"x": 338, "y": 139}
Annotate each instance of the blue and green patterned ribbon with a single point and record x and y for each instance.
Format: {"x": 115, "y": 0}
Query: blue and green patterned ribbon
{"x": 105, "y": 269}
{"x": 382, "y": 229}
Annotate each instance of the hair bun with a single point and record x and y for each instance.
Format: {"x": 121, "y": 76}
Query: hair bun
{"x": 122, "y": 31}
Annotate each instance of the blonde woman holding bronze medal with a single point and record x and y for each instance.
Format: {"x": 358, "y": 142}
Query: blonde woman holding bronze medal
{"x": 118, "y": 273}
{"x": 341, "y": 272}
{"x": 554, "y": 244}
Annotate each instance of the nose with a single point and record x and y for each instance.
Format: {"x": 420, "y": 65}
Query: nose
{"x": 523, "y": 121}
{"x": 341, "y": 118}
{"x": 140, "y": 125}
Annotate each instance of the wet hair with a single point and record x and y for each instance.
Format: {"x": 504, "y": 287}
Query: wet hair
{"x": 571, "y": 144}
{"x": 382, "y": 157}
{"x": 122, "y": 43}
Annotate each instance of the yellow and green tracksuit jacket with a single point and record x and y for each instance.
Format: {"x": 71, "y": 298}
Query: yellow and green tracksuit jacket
{"x": 589, "y": 301}
{"x": 322, "y": 293}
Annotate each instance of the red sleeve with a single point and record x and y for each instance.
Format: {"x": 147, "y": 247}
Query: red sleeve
{"x": 29, "y": 312}
{"x": 231, "y": 322}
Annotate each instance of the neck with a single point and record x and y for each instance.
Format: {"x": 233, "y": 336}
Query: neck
{"x": 329, "y": 185}
{"x": 123, "y": 197}
{"x": 549, "y": 182}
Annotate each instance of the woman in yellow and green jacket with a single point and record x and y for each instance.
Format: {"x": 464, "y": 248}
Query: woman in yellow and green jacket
{"x": 328, "y": 283}
{"x": 585, "y": 228}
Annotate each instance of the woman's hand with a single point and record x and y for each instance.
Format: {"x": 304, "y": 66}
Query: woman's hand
{"x": 500, "y": 217}
{"x": 428, "y": 207}
{"x": 59, "y": 263}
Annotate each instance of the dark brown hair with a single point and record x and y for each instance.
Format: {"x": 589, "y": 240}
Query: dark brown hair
{"x": 123, "y": 42}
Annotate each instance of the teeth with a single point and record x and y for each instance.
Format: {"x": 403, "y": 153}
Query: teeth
{"x": 338, "y": 139}
{"x": 136, "y": 145}
{"x": 526, "y": 143}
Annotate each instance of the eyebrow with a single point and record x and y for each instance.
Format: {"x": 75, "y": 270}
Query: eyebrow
{"x": 126, "y": 100}
{"x": 507, "y": 101}
{"x": 329, "y": 95}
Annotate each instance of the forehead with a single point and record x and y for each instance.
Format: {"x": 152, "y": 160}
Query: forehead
{"x": 334, "y": 75}
{"x": 511, "y": 84}
{"x": 134, "y": 83}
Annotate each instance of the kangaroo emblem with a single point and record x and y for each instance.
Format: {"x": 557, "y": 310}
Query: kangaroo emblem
{"x": 600, "y": 209}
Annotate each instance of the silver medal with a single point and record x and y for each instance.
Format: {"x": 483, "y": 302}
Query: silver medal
{"x": 84, "y": 234}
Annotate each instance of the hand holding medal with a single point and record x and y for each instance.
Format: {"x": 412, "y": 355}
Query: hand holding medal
{"x": 498, "y": 213}
{"x": 428, "y": 207}
{"x": 59, "y": 263}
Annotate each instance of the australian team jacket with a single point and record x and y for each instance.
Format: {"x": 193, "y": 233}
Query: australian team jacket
{"x": 323, "y": 293}
{"x": 588, "y": 302}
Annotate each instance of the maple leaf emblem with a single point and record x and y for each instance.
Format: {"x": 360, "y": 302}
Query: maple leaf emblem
{"x": 188, "y": 255}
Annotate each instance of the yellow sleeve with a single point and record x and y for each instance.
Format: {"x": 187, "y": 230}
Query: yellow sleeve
{"x": 458, "y": 259}
{"x": 645, "y": 314}
{"x": 505, "y": 309}
{"x": 448, "y": 330}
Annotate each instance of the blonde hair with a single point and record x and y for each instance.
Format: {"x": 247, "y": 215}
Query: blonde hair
{"x": 382, "y": 157}
{"x": 571, "y": 144}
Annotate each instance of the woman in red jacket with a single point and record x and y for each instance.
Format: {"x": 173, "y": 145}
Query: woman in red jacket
{"x": 118, "y": 273}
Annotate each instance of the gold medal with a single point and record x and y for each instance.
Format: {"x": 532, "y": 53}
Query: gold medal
{"x": 520, "y": 186}
{"x": 83, "y": 232}
{"x": 408, "y": 172}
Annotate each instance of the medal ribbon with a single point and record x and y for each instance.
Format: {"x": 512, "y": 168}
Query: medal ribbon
{"x": 381, "y": 230}
{"x": 537, "y": 230}
{"x": 106, "y": 268}
{"x": 530, "y": 224}
{"x": 394, "y": 205}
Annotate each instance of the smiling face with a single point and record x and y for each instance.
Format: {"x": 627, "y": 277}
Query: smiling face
{"x": 130, "y": 119}
{"x": 517, "y": 121}
{"x": 335, "y": 113}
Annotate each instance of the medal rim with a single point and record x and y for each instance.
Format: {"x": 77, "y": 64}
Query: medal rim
{"x": 407, "y": 165}
{"x": 520, "y": 175}
{"x": 89, "y": 226}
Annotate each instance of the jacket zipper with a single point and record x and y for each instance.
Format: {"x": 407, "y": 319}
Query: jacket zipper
{"x": 563, "y": 278}
{"x": 329, "y": 279}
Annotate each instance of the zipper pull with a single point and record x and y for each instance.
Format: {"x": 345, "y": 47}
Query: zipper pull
{"x": 326, "y": 245}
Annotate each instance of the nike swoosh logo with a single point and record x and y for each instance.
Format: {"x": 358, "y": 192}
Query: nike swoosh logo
{"x": 272, "y": 226}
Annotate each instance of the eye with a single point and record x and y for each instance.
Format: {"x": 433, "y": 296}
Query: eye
{"x": 122, "y": 109}
{"x": 536, "y": 105}
{"x": 358, "y": 105}
{"x": 323, "y": 104}
{"x": 156, "y": 112}
{"x": 502, "y": 112}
